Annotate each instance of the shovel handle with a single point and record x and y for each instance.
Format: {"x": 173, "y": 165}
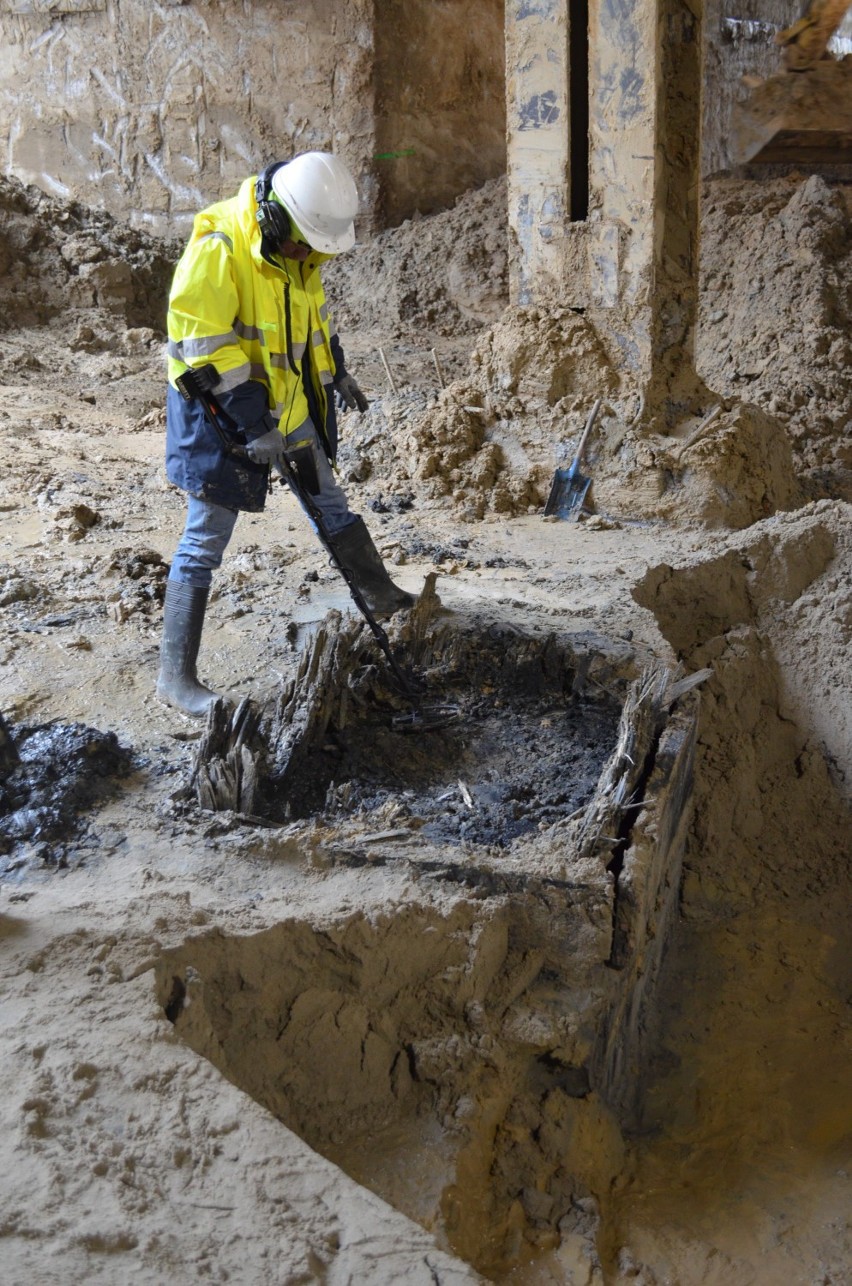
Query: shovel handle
{"x": 593, "y": 415}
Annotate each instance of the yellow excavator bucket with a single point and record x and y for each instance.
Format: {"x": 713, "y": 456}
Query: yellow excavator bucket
{"x": 807, "y": 40}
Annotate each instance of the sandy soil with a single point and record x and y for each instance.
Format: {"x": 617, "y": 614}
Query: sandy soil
{"x": 125, "y": 1154}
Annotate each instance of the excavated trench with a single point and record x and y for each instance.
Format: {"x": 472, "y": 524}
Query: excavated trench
{"x": 461, "y": 1052}
{"x": 519, "y": 757}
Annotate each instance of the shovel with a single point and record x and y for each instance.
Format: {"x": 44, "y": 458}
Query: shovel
{"x": 569, "y": 486}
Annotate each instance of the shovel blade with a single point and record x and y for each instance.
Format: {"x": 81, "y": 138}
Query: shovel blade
{"x": 567, "y": 493}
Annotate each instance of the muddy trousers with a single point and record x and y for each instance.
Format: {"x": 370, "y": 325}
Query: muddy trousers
{"x": 206, "y": 535}
{"x": 202, "y": 546}
{"x": 209, "y": 527}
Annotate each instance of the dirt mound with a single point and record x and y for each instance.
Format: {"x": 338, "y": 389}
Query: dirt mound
{"x": 774, "y": 333}
{"x": 739, "y": 471}
{"x": 776, "y": 307}
{"x": 56, "y": 255}
{"x": 787, "y": 581}
{"x": 490, "y": 443}
{"x": 447, "y": 272}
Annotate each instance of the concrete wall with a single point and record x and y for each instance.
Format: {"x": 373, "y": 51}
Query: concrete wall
{"x": 604, "y": 260}
{"x": 663, "y": 75}
{"x": 439, "y": 102}
{"x": 150, "y": 110}
{"x": 539, "y": 134}
{"x": 604, "y": 263}
{"x": 624, "y": 177}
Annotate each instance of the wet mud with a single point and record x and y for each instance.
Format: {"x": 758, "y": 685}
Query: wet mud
{"x": 497, "y": 773}
{"x": 525, "y": 749}
{"x": 52, "y": 774}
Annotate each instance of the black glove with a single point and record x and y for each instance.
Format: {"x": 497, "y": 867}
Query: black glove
{"x": 348, "y": 395}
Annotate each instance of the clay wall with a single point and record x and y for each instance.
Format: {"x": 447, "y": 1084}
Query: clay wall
{"x": 440, "y": 102}
{"x": 151, "y": 111}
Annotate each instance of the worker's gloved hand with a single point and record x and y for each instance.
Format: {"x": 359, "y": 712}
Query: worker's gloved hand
{"x": 267, "y": 449}
{"x": 348, "y": 395}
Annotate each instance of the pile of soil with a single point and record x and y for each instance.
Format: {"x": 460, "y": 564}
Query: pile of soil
{"x": 520, "y": 380}
{"x": 59, "y": 255}
{"x": 487, "y": 444}
{"x": 775, "y": 313}
{"x": 446, "y": 272}
{"x": 515, "y": 409}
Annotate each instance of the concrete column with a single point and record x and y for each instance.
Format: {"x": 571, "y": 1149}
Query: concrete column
{"x": 538, "y": 138}
{"x": 641, "y": 234}
{"x": 623, "y": 121}
{"x": 676, "y": 205}
{"x": 645, "y": 147}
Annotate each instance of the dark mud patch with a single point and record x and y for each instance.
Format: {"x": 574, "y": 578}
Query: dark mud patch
{"x": 51, "y": 775}
{"x": 505, "y": 768}
{"x": 526, "y": 749}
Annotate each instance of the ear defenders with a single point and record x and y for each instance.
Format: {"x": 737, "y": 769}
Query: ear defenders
{"x": 272, "y": 218}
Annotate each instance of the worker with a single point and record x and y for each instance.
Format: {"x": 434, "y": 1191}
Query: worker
{"x": 247, "y": 297}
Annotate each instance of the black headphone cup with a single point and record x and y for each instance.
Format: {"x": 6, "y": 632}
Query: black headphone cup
{"x": 273, "y": 221}
{"x": 272, "y": 218}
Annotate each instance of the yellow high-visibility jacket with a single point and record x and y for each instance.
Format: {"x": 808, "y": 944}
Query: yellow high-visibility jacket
{"x": 260, "y": 321}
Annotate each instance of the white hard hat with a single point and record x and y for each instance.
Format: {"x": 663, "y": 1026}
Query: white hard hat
{"x": 318, "y": 191}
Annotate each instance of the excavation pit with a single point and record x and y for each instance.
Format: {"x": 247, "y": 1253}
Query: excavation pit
{"x": 538, "y": 717}
{"x": 467, "y": 1045}
{"x": 518, "y": 757}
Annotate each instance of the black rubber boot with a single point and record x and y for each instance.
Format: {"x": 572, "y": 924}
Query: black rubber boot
{"x": 355, "y": 549}
{"x": 183, "y": 621}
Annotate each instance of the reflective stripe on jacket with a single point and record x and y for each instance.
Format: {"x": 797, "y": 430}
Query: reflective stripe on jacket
{"x": 264, "y": 325}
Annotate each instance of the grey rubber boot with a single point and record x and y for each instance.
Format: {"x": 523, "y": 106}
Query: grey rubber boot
{"x": 183, "y": 621}
{"x": 355, "y": 549}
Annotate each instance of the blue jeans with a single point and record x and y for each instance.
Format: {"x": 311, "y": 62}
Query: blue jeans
{"x": 209, "y": 526}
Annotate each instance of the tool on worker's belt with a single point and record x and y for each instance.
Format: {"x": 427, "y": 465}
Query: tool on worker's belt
{"x": 200, "y": 384}
{"x": 299, "y": 472}
{"x": 569, "y": 486}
